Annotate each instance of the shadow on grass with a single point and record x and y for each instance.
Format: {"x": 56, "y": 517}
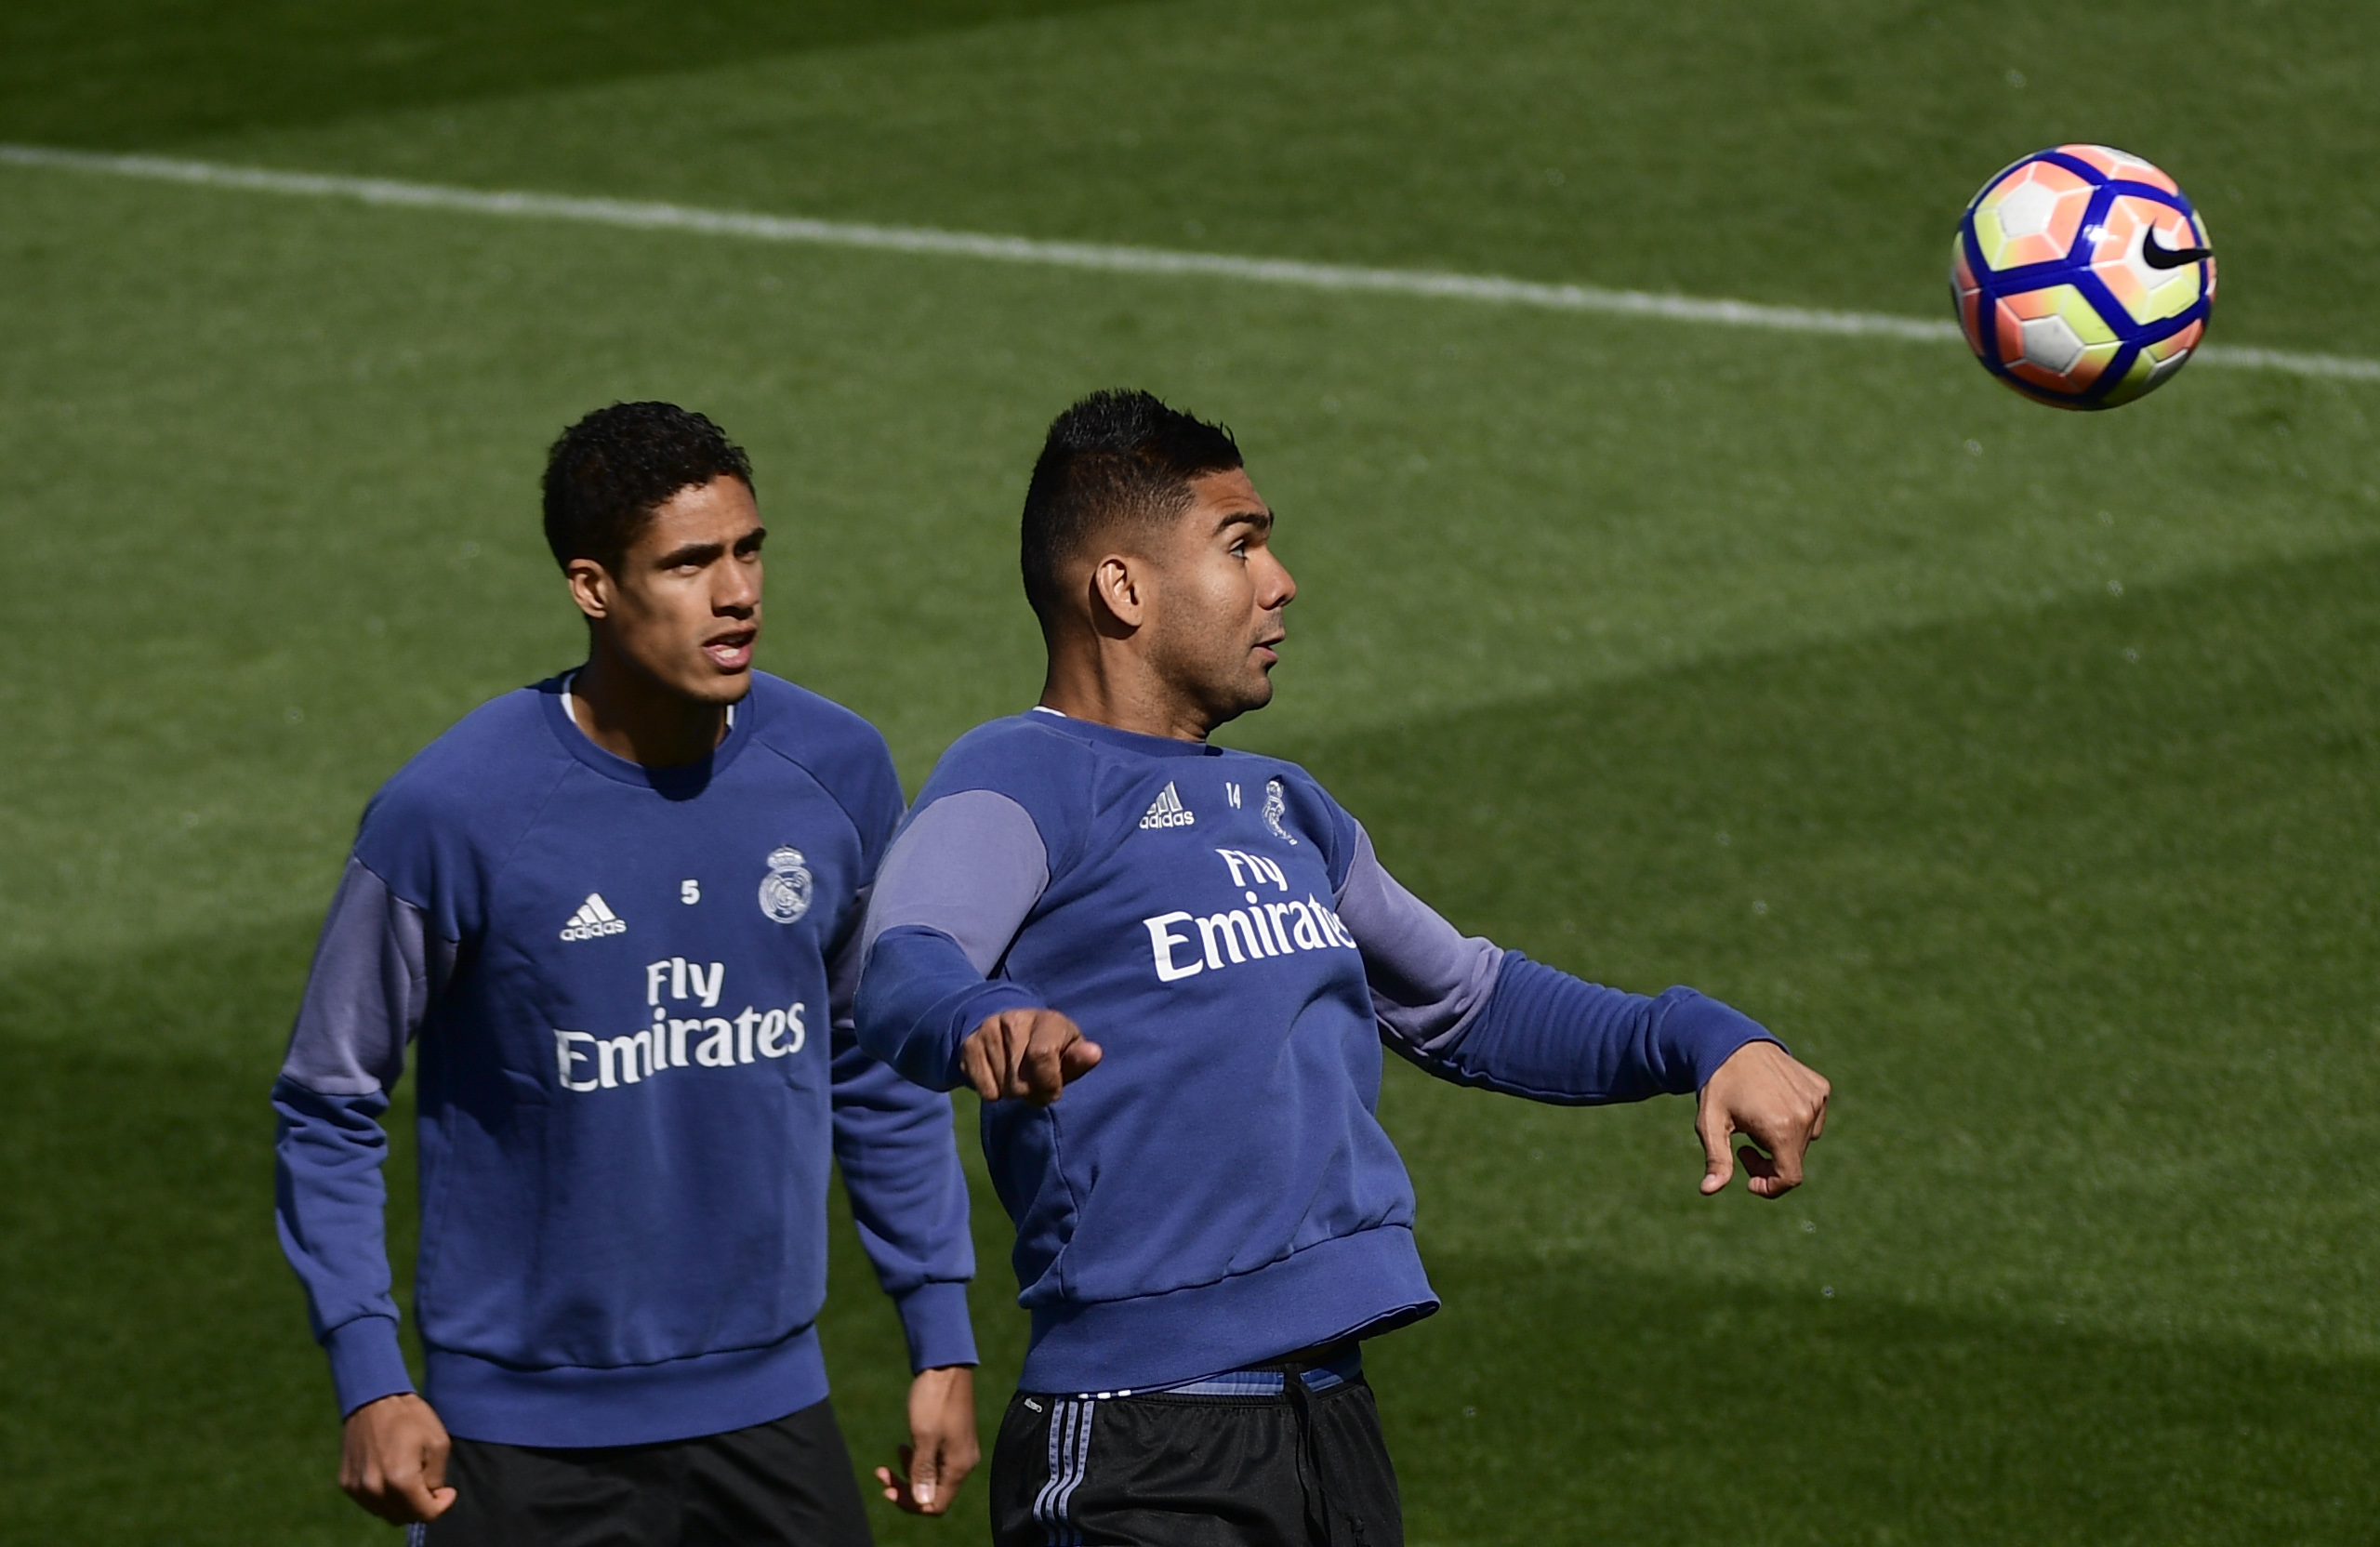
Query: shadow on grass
{"x": 1552, "y": 1402}
{"x": 142, "y": 73}
{"x": 160, "y": 1386}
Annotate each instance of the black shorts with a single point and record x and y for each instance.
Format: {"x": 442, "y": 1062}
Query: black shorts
{"x": 1303, "y": 1468}
{"x": 788, "y": 1481}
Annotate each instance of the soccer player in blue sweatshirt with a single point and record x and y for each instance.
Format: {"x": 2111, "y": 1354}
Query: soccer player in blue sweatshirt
{"x": 615, "y": 914}
{"x": 1200, "y": 950}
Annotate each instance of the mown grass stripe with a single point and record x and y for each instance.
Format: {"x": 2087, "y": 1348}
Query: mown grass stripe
{"x": 1107, "y": 258}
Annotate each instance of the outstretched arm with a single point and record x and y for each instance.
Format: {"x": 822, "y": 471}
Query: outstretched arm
{"x": 1472, "y": 1013}
{"x": 959, "y": 881}
{"x": 374, "y": 970}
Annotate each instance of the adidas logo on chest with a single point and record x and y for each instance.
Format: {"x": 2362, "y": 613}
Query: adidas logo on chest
{"x": 594, "y": 921}
{"x": 1166, "y": 810}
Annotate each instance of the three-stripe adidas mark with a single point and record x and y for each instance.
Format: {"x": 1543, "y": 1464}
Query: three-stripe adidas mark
{"x": 1070, "y": 1459}
{"x": 594, "y": 921}
{"x": 1166, "y": 810}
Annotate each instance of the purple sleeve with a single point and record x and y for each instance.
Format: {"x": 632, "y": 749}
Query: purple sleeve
{"x": 1470, "y": 1013}
{"x": 1427, "y": 980}
{"x": 375, "y": 971}
{"x": 972, "y": 866}
{"x": 957, "y": 885}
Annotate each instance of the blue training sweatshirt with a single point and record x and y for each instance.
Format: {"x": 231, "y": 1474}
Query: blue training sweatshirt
{"x": 1218, "y": 1191}
{"x": 630, "y": 990}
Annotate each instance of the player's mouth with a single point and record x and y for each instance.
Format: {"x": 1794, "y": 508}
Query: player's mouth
{"x": 731, "y": 651}
{"x": 1266, "y": 651}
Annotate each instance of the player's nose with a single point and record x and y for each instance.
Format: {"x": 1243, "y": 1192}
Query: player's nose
{"x": 738, "y": 595}
{"x": 1282, "y": 590}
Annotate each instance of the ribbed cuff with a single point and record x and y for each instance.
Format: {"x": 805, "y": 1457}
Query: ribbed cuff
{"x": 1706, "y": 1033}
{"x": 934, "y": 1316}
{"x": 366, "y": 1364}
{"x": 978, "y": 1006}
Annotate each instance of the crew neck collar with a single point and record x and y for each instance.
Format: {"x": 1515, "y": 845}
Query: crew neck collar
{"x": 1130, "y": 741}
{"x": 685, "y": 779}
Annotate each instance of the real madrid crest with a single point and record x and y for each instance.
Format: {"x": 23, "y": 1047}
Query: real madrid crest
{"x": 785, "y": 891}
{"x": 1277, "y": 806}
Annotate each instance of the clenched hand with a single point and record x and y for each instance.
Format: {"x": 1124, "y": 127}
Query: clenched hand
{"x": 1027, "y": 1055}
{"x": 393, "y": 1459}
{"x": 942, "y": 1448}
{"x": 1777, "y": 1102}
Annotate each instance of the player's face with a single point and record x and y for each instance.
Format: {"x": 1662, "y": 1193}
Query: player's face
{"x": 685, "y": 607}
{"x": 1218, "y": 618}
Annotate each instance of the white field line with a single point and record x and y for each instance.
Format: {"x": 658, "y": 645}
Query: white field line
{"x": 1108, "y": 258}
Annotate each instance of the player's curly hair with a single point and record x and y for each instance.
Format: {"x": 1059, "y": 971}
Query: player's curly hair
{"x": 1117, "y": 455}
{"x": 611, "y": 469}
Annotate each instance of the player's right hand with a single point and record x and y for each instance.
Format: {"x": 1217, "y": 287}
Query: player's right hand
{"x": 1767, "y": 1094}
{"x": 1026, "y": 1054}
{"x": 393, "y": 1460}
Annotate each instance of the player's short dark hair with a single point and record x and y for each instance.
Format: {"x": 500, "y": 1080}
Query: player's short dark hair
{"x": 611, "y": 469}
{"x": 1117, "y": 455}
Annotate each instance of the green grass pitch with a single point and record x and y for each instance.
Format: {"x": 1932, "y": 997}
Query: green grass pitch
{"x": 2022, "y": 769}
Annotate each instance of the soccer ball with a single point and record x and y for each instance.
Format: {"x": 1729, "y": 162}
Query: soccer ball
{"x": 2082, "y": 277}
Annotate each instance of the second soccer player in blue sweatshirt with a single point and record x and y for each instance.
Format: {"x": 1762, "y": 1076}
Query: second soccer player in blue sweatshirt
{"x": 614, "y": 918}
{"x": 1200, "y": 948}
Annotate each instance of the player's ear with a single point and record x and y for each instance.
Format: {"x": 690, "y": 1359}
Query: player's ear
{"x": 1119, "y": 587}
{"x": 591, "y": 587}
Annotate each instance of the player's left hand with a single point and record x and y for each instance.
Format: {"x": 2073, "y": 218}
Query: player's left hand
{"x": 942, "y": 1448}
{"x": 1774, "y": 1099}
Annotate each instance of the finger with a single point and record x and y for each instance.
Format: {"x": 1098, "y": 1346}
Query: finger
{"x": 1018, "y": 1047}
{"x": 1040, "y": 1076}
{"x": 1818, "y": 1123}
{"x": 397, "y": 1482}
{"x": 1045, "y": 1061}
{"x": 906, "y": 1476}
{"x": 999, "y": 1058}
{"x": 418, "y": 1501}
{"x": 892, "y": 1483}
{"x": 1718, "y": 1165}
{"x": 978, "y": 1065}
{"x": 925, "y": 1475}
{"x": 1080, "y": 1057}
{"x": 365, "y": 1489}
{"x": 1765, "y": 1181}
{"x": 436, "y": 1497}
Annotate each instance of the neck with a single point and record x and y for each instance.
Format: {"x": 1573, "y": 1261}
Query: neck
{"x": 1108, "y": 682}
{"x": 627, "y": 713}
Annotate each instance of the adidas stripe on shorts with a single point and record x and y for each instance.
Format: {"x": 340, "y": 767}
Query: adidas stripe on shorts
{"x": 1235, "y": 1460}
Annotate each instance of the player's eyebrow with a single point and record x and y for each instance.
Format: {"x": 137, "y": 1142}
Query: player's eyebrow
{"x": 1260, "y": 520}
{"x": 691, "y": 553}
{"x": 699, "y": 554}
